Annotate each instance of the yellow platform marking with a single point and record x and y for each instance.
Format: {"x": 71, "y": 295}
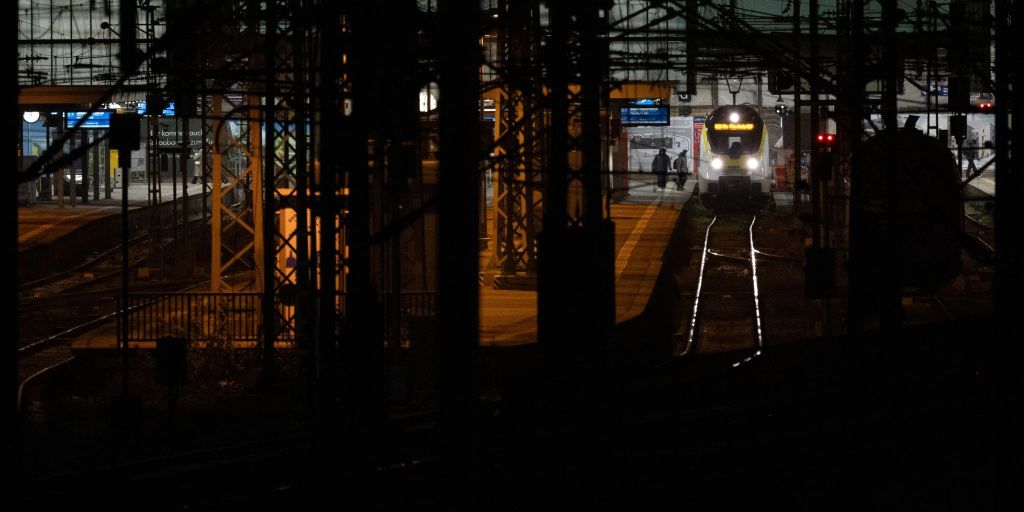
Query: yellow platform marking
{"x": 622, "y": 259}
{"x": 45, "y": 227}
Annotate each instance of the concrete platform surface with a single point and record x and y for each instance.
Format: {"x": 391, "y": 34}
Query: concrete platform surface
{"x": 643, "y": 225}
{"x": 45, "y": 222}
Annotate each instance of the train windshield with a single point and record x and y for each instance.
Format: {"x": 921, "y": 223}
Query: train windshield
{"x": 736, "y": 124}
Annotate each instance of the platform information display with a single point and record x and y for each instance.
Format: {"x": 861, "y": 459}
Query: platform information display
{"x": 168, "y": 111}
{"x": 644, "y": 116}
{"x": 96, "y": 120}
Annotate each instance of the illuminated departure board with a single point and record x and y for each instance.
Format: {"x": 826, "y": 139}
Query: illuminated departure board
{"x": 644, "y": 116}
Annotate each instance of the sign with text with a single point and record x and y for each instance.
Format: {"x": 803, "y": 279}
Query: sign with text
{"x": 96, "y": 120}
{"x": 644, "y": 116}
{"x": 698, "y": 128}
{"x": 170, "y": 135}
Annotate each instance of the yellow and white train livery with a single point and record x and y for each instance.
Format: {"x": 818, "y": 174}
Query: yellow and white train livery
{"x": 734, "y": 154}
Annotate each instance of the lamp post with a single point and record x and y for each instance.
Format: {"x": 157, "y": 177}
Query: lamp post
{"x": 124, "y": 136}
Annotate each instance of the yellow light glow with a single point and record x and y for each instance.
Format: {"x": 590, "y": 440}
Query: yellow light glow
{"x": 734, "y": 127}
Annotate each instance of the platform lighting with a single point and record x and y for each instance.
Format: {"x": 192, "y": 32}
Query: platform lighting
{"x": 30, "y": 117}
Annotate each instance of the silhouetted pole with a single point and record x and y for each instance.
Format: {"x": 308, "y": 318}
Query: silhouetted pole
{"x": 84, "y": 141}
{"x": 267, "y": 311}
{"x": 124, "y": 136}
{"x": 555, "y": 178}
{"x": 797, "y": 108}
{"x": 11, "y": 122}
{"x": 458, "y": 299}
{"x": 598, "y": 313}
{"x": 125, "y": 170}
{"x": 888, "y": 299}
{"x": 184, "y": 157}
{"x": 815, "y": 127}
{"x": 325, "y": 359}
{"x": 302, "y": 81}
{"x": 692, "y": 47}
{"x": 1009, "y": 279}
{"x": 857, "y": 270}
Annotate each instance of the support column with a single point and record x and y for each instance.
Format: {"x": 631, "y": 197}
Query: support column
{"x": 815, "y": 128}
{"x": 576, "y": 287}
{"x": 576, "y": 304}
{"x": 268, "y": 252}
{"x": 857, "y": 272}
{"x": 520, "y": 121}
{"x": 797, "y": 111}
{"x": 1008, "y": 277}
{"x": 890, "y": 309}
{"x": 11, "y": 441}
{"x": 458, "y": 300}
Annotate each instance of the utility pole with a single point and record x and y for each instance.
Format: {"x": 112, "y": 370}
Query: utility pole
{"x": 124, "y": 136}
{"x": 857, "y": 297}
{"x": 797, "y": 111}
{"x": 458, "y": 300}
{"x": 11, "y": 442}
{"x": 815, "y": 128}
{"x": 1009, "y": 277}
{"x": 268, "y": 256}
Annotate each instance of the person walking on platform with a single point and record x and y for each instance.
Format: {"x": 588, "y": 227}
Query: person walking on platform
{"x": 197, "y": 166}
{"x": 660, "y": 168}
{"x": 971, "y": 153}
{"x": 682, "y": 170}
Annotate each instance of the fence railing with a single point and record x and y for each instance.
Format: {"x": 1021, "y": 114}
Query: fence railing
{"x": 228, "y": 315}
{"x": 194, "y": 315}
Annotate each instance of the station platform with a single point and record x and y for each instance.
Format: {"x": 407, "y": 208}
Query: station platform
{"x": 53, "y": 238}
{"x": 643, "y": 226}
{"x": 44, "y": 222}
{"x": 986, "y": 182}
{"x": 644, "y": 223}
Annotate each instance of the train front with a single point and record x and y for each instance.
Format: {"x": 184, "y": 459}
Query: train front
{"x": 734, "y": 154}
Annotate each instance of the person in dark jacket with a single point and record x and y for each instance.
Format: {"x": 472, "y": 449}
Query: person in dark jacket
{"x": 971, "y": 154}
{"x": 682, "y": 169}
{"x": 660, "y": 167}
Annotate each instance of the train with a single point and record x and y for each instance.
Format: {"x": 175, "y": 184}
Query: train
{"x": 734, "y": 155}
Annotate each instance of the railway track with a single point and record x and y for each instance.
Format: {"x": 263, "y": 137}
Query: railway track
{"x": 726, "y": 313}
{"x": 981, "y": 231}
{"x": 55, "y": 309}
{"x": 59, "y": 302}
{"x": 41, "y": 355}
{"x": 99, "y": 268}
{"x": 100, "y": 263}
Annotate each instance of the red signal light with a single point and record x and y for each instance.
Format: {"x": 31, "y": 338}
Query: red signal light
{"x": 821, "y": 137}
{"x": 826, "y": 138}
{"x": 985, "y": 106}
{"x": 829, "y": 137}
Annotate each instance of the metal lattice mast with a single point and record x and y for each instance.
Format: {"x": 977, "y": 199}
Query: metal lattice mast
{"x": 518, "y": 199}
{"x": 576, "y": 303}
{"x": 234, "y": 170}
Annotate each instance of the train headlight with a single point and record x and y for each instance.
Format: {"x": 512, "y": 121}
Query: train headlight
{"x": 716, "y": 163}
{"x": 752, "y": 163}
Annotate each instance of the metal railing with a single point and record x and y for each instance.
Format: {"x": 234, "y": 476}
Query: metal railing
{"x": 194, "y": 315}
{"x": 418, "y": 303}
{"x": 228, "y": 315}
